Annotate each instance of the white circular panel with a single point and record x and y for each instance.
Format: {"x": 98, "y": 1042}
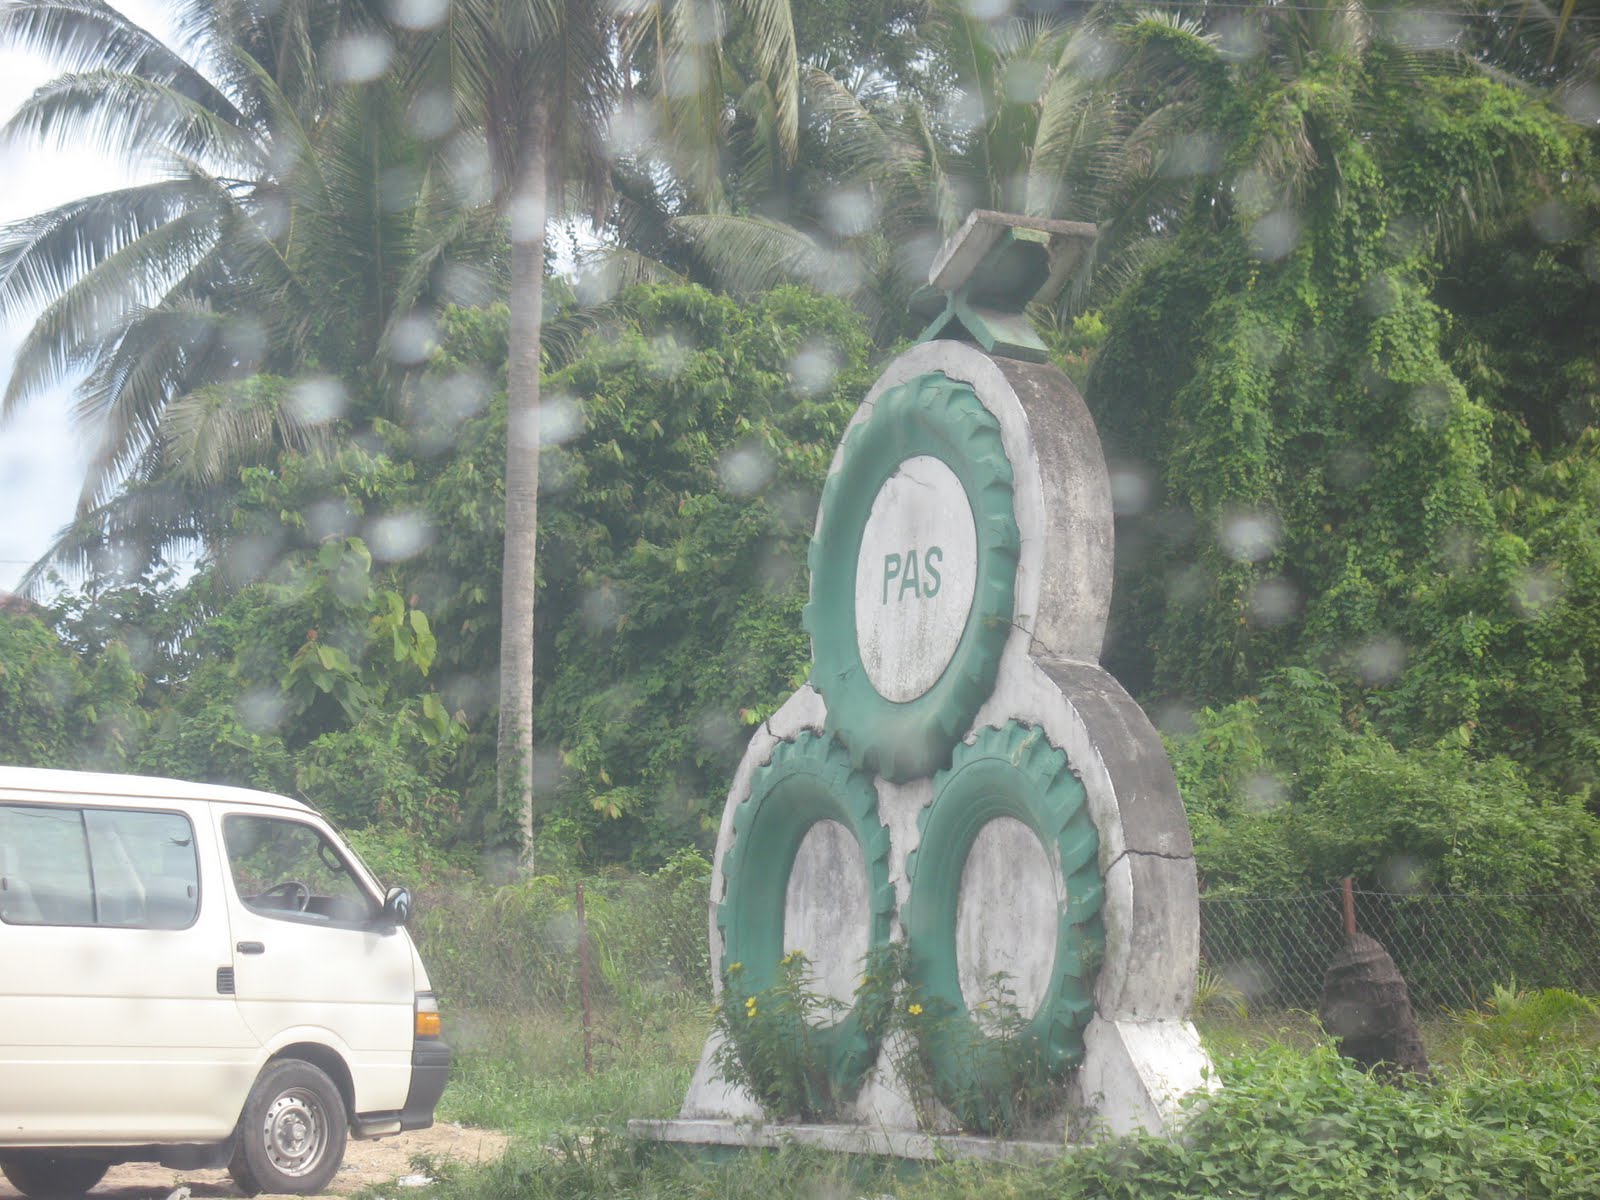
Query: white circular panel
{"x": 1007, "y": 918}
{"x": 825, "y": 912}
{"x": 915, "y": 578}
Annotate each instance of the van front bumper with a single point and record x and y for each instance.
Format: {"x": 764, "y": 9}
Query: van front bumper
{"x": 430, "y": 1070}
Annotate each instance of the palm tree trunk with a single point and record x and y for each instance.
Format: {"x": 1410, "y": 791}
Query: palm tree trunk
{"x": 526, "y": 209}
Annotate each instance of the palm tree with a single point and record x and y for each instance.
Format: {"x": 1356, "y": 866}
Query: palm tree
{"x": 532, "y": 87}
{"x": 1026, "y": 114}
{"x": 267, "y": 236}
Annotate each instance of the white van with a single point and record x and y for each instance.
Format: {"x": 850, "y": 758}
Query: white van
{"x": 201, "y": 976}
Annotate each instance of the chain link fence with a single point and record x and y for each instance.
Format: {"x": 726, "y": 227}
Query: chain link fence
{"x": 1451, "y": 950}
{"x": 516, "y": 948}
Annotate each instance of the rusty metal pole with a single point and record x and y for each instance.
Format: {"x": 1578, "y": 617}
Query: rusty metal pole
{"x": 583, "y": 985}
{"x": 1349, "y": 906}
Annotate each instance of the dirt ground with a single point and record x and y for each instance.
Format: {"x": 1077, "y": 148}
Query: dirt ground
{"x": 374, "y": 1162}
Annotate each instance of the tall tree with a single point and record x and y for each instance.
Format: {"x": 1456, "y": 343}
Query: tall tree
{"x": 1024, "y": 113}
{"x": 1329, "y": 477}
{"x": 532, "y": 88}
{"x": 268, "y": 234}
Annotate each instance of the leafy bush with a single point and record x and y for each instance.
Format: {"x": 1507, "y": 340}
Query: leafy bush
{"x": 1288, "y": 1124}
{"x": 1521, "y": 1024}
{"x": 514, "y": 948}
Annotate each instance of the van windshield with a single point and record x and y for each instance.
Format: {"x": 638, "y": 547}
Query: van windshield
{"x": 286, "y": 868}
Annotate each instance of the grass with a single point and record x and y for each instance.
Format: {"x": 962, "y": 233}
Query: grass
{"x": 1512, "y": 1114}
{"x": 524, "y": 1074}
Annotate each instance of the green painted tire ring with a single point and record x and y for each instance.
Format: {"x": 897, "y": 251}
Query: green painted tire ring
{"x": 936, "y": 416}
{"x": 807, "y": 780}
{"x": 1008, "y": 772}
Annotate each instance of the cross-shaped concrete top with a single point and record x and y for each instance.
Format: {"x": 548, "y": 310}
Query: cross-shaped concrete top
{"x": 990, "y": 270}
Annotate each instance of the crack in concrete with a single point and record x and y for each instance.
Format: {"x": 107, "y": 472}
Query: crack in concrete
{"x": 1148, "y": 854}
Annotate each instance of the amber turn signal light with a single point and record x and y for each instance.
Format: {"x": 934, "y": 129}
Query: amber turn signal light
{"x": 429, "y": 1024}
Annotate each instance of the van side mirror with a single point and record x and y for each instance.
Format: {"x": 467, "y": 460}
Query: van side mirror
{"x": 397, "y": 906}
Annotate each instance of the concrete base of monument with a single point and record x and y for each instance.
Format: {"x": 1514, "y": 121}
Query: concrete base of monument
{"x": 1135, "y": 1078}
{"x": 1136, "y": 1075}
{"x": 842, "y": 1139}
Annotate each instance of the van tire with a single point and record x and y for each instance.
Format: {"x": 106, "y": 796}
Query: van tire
{"x": 46, "y": 1177}
{"x": 292, "y": 1132}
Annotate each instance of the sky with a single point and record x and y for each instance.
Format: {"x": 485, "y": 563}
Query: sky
{"x": 42, "y": 456}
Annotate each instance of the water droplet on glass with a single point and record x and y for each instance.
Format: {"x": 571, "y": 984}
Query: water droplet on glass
{"x": 318, "y": 400}
{"x": 601, "y": 608}
{"x": 417, "y": 14}
{"x": 361, "y": 57}
{"x": 746, "y": 469}
{"x": 1275, "y": 235}
{"x": 812, "y": 369}
{"x": 262, "y": 710}
{"x": 1249, "y": 535}
{"x": 329, "y": 519}
{"x": 398, "y": 536}
{"x": 1380, "y": 661}
{"x": 432, "y": 114}
{"x": 560, "y": 419}
{"x": 1130, "y": 490}
{"x": 412, "y": 338}
{"x": 1537, "y": 589}
{"x": 1553, "y": 221}
{"x": 1263, "y": 792}
{"x": 1273, "y": 601}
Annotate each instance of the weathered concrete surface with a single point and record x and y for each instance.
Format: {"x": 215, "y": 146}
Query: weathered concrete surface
{"x": 1136, "y": 1075}
{"x": 1062, "y": 492}
{"x": 801, "y": 711}
{"x": 711, "y": 1097}
{"x": 1152, "y": 906}
{"x": 916, "y": 576}
{"x": 1007, "y": 917}
{"x": 844, "y": 1139}
{"x": 825, "y": 911}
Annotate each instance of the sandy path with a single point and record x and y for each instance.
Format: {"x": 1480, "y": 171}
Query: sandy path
{"x": 364, "y": 1163}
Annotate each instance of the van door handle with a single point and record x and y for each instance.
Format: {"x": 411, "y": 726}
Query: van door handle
{"x": 250, "y": 948}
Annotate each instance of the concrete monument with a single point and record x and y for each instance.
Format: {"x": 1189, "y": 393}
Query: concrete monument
{"x": 959, "y": 773}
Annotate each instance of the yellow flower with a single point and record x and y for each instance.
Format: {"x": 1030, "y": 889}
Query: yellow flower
{"x": 915, "y": 1010}
{"x": 732, "y": 967}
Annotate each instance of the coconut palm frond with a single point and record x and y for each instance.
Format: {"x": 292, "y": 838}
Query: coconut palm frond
{"x": 125, "y": 117}
{"x": 748, "y": 253}
{"x": 41, "y": 255}
{"x": 772, "y": 43}
{"x": 209, "y": 434}
{"x": 102, "y": 298}
{"x": 85, "y": 35}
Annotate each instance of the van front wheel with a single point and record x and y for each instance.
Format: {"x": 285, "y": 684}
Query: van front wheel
{"x": 292, "y": 1132}
{"x": 46, "y": 1177}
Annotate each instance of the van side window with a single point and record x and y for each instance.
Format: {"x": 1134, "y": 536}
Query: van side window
{"x": 289, "y": 870}
{"x": 97, "y": 866}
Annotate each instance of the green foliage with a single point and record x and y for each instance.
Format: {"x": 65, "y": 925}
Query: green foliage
{"x": 523, "y": 1072}
{"x": 769, "y": 1043}
{"x": 62, "y": 710}
{"x": 516, "y": 945}
{"x": 995, "y": 1080}
{"x": 1361, "y": 583}
{"x": 673, "y": 534}
{"x": 1283, "y": 798}
{"x": 1523, "y": 1026}
{"x": 1287, "y": 1123}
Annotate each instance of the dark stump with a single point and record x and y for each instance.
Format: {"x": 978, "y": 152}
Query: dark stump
{"x": 1366, "y": 1007}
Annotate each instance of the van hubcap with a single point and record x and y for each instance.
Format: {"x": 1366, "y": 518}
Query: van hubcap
{"x": 296, "y": 1131}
